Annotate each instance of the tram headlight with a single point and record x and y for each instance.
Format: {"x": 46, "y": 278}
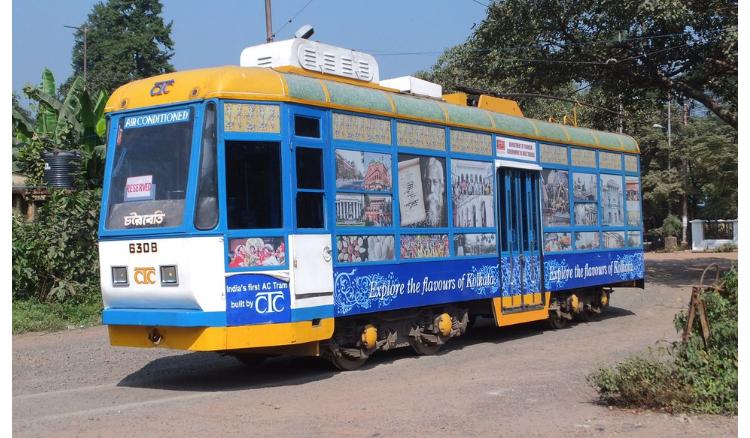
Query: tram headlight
{"x": 119, "y": 276}
{"x": 168, "y": 275}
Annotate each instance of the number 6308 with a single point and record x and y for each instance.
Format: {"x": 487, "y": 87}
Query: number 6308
{"x": 142, "y": 247}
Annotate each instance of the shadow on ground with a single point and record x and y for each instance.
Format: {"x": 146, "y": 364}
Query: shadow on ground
{"x": 684, "y": 273}
{"x": 208, "y": 372}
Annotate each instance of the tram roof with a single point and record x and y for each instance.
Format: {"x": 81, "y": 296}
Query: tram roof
{"x": 290, "y": 84}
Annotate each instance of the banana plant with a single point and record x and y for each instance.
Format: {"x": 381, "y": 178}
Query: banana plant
{"x": 76, "y": 122}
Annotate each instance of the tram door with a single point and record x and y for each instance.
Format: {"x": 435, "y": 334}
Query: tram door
{"x": 310, "y": 245}
{"x": 520, "y": 239}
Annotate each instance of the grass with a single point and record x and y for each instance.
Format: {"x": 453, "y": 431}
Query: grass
{"x": 32, "y": 315}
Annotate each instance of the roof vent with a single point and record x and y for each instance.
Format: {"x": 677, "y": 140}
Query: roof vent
{"x": 313, "y": 56}
{"x": 410, "y": 84}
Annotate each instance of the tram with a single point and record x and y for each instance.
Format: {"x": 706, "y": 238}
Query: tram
{"x": 297, "y": 204}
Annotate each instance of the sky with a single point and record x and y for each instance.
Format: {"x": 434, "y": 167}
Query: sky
{"x": 210, "y": 36}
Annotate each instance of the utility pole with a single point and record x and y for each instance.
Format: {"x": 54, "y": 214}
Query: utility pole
{"x": 685, "y": 113}
{"x": 269, "y": 30}
{"x": 85, "y": 31}
{"x": 669, "y": 144}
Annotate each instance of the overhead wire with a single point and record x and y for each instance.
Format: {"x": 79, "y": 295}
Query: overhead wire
{"x": 292, "y": 19}
{"x": 480, "y": 3}
{"x": 539, "y": 45}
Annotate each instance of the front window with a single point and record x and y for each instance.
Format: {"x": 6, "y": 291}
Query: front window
{"x": 150, "y": 170}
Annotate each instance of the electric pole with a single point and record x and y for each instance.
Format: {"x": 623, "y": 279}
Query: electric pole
{"x": 685, "y": 114}
{"x": 85, "y": 31}
{"x": 269, "y": 30}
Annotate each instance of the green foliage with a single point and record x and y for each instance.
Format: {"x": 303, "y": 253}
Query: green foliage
{"x": 671, "y": 226}
{"x": 127, "y": 40}
{"x": 33, "y": 315}
{"x": 712, "y": 370}
{"x": 626, "y": 49}
{"x": 632, "y": 55}
{"x": 73, "y": 123}
{"x": 689, "y": 376}
{"x": 55, "y": 258}
{"x": 646, "y": 381}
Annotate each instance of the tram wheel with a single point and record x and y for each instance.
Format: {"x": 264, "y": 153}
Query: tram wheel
{"x": 556, "y": 321}
{"x": 344, "y": 359}
{"x": 423, "y": 348}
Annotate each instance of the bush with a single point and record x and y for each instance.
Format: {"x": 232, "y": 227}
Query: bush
{"x": 643, "y": 381}
{"x": 56, "y": 257}
{"x": 688, "y": 376}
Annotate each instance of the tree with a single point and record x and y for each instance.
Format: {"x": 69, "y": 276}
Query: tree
{"x": 75, "y": 122}
{"x": 127, "y": 40}
{"x": 626, "y": 48}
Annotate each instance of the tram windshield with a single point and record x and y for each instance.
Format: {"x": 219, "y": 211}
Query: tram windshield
{"x": 150, "y": 170}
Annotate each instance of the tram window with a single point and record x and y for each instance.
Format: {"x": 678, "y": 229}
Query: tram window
{"x": 309, "y": 168}
{"x": 306, "y": 126}
{"x": 207, "y": 205}
{"x": 253, "y": 180}
{"x": 310, "y": 210}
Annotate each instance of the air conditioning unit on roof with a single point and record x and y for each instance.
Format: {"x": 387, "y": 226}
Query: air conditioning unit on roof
{"x": 410, "y": 84}
{"x": 313, "y": 56}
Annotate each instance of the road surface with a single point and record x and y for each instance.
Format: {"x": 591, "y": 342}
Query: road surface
{"x": 519, "y": 381}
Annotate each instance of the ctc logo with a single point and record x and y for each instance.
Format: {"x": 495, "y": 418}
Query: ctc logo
{"x": 160, "y": 88}
{"x": 144, "y": 275}
{"x": 269, "y": 302}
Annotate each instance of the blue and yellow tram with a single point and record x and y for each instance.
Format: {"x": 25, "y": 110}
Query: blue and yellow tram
{"x": 298, "y": 205}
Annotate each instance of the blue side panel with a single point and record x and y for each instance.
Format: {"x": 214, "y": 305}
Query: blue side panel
{"x": 519, "y": 277}
{"x": 164, "y": 317}
{"x": 569, "y": 271}
{"x": 374, "y": 288}
{"x": 256, "y": 299}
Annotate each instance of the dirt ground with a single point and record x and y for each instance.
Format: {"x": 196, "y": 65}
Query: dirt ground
{"x": 518, "y": 381}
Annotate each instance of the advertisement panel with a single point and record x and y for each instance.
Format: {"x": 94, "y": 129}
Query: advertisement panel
{"x": 567, "y": 271}
{"x": 256, "y": 299}
{"x": 366, "y": 289}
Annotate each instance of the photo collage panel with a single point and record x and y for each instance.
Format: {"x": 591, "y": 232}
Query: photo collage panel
{"x": 555, "y": 200}
{"x": 587, "y": 240}
{"x": 612, "y": 200}
{"x": 364, "y": 248}
{"x": 257, "y": 251}
{"x": 365, "y": 172}
{"x": 422, "y": 246}
{"x": 614, "y": 239}
{"x": 471, "y": 184}
{"x": 422, "y": 191}
{"x": 474, "y": 244}
{"x": 555, "y": 242}
{"x": 633, "y": 200}
{"x": 585, "y": 207}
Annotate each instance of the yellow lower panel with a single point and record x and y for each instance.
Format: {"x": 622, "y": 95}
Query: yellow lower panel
{"x": 222, "y": 338}
{"x": 503, "y": 319}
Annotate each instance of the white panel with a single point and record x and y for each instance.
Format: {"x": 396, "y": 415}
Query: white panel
{"x": 516, "y": 165}
{"x": 410, "y": 84}
{"x": 200, "y": 272}
{"x": 312, "y": 270}
{"x": 314, "y": 56}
